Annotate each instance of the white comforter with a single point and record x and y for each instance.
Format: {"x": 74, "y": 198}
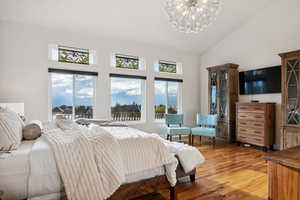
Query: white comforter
{"x": 44, "y": 179}
{"x": 108, "y": 158}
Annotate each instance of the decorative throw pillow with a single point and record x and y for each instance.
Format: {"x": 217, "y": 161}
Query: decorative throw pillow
{"x": 67, "y": 125}
{"x": 10, "y": 129}
{"x": 32, "y": 130}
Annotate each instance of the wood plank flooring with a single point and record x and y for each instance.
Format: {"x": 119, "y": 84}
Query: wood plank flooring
{"x": 229, "y": 173}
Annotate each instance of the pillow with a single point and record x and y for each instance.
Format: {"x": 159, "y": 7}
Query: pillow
{"x": 113, "y": 124}
{"x": 67, "y": 125}
{"x": 32, "y": 130}
{"x": 85, "y": 122}
{"x": 10, "y": 129}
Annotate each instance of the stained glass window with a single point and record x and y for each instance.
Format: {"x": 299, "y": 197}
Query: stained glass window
{"x": 165, "y": 66}
{"x": 73, "y": 55}
{"x": 127, "y": 62}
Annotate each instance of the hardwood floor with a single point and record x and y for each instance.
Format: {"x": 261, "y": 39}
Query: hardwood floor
{"x": 229, "y": 173}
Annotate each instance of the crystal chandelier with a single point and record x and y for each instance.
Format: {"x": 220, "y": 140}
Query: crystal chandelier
{"x": 192, "y": 16}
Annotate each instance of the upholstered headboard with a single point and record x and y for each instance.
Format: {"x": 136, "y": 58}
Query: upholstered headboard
{"x": 16, "y": 107}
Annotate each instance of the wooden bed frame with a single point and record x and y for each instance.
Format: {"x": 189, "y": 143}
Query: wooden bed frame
{"x": 152, "y": 185}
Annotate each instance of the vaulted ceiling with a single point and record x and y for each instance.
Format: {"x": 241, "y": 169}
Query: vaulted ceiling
{"x": 142, "y": 21}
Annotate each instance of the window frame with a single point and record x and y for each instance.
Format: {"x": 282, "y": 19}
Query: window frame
{"x": 143, "y": 96}
{"x": 73, "y": 73}
{"x": 179, "y": 96}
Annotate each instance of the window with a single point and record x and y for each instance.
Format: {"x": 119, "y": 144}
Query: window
{"x": 72, "y": 94}
{"x": 168, "y": 67}
{"x": 167, "y": 97}
{"x": 165, "y": 66}
{"x": 73, "y": 55}
{"x": 121, "y": 61}
{"x": 66, "y": 54}
{"x": 128, "y": 62}
{"x": 127, "y": 97}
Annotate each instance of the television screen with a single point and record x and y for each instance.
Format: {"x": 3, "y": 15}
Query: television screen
{"x": 260, "y": 81}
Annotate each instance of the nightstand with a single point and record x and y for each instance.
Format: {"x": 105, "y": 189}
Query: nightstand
{"x": 1, "y": 194}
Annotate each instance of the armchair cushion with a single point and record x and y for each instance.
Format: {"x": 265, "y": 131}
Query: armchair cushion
{"x": 211, "y": 132}
{"x": 177, "y": 130}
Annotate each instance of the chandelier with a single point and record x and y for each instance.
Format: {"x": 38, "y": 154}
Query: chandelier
{"x": 192, "y": 16}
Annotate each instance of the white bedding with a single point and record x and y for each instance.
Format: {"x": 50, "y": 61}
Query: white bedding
{"x": 20, "y": 180}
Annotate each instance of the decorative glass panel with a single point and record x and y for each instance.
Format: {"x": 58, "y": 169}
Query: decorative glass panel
{"x": 223, "y": 94}
{"x": 213, "y": 92}
{"x": 127, "y": 62}
{"x": 292, "y": 79}
{"x": 73, "y": 55}
{"x": 169, "y": 67}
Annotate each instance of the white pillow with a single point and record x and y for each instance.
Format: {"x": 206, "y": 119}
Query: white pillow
{"x": 67, "y": 125}
{"x": 10, "y": 129}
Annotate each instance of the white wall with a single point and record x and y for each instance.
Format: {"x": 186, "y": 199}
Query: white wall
{"x": 256, "y": 44}
{"x": 24, "y": 76}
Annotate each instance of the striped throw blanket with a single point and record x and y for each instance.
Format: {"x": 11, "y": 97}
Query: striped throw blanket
{"x": 89, "y": 163}
{"x": 93, "y": 162}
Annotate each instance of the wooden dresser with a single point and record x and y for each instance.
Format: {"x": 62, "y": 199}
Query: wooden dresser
{"x": 255, "y": 124}
{"x": 284, "y": 174}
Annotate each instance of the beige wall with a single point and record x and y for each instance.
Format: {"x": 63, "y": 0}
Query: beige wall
{"x": 256, "y": 44}
{"x": 24, "y": 76}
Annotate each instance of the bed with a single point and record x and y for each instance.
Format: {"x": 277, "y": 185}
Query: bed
{"x": 33, "y": 163}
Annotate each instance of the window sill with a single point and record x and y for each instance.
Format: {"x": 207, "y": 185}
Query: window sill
{"x": 132, "y": 122}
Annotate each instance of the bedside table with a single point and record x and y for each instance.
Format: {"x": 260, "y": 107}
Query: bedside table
{"x": 1, "y": 194}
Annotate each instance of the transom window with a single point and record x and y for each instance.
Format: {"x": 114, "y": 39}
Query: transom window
{"x": 73, "y": 55}
{"x": 165, "y": 66}
{"x": 167, "y": 97}
{"x": 72, "y": 94}
{"x": 127, "y": 97}
{"x": 127, "y": 62}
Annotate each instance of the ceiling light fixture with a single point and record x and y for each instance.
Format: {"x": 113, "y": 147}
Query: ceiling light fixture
{"x": 192, "y": 16}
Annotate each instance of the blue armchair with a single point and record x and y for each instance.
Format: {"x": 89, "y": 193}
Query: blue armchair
{"x": 207, "y": 127}
{"x": 174, "y": 123}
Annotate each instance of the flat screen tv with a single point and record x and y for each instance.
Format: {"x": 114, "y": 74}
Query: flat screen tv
{"x": 260, "y": 81}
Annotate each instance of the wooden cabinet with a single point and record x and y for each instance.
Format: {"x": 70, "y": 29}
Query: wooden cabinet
{"x": 255, "y": 123}
{"x": 284, "y": 174}
{"x": 290, "y": 131}
{"x": 223, "y": 94}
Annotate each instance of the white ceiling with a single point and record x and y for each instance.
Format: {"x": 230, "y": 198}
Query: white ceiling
{"x": 142, "y": 21}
